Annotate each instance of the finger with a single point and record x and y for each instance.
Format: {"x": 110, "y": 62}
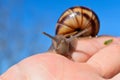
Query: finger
{"x": 107, "y": 61}
{"x": 116, "y": 77}
{"x": 86, "y": 47}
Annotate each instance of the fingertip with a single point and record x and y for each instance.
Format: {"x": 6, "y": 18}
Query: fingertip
{"x": 80, "y": 57}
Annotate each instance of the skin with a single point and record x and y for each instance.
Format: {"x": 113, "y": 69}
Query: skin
{"x": 91, "y": 60}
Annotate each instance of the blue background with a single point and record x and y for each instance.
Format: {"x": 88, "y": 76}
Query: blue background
{"x": 23, "y": 21}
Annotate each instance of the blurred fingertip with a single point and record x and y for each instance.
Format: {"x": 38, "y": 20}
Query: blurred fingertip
{"x": 79, "y": 57}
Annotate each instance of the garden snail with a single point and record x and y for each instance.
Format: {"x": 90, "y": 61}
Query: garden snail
{"x": 75, "y": 22}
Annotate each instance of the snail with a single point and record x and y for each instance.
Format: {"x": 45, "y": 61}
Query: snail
{"x": 75, "y": 22}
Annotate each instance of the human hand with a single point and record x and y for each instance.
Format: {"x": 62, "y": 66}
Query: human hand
{"x": 92, "y": 61}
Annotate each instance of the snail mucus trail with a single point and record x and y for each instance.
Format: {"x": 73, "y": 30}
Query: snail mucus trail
{"x": 75, "y": 22}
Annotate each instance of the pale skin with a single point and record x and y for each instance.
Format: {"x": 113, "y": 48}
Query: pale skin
{"x": 92, "y": 60}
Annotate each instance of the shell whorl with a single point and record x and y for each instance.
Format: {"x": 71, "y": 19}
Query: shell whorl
{"x": 76, "y": 19}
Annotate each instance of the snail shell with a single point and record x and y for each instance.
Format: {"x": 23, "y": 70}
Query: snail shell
{"x": 75, "y": 20}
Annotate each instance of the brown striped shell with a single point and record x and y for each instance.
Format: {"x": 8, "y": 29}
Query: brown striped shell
{"x": 77, "y": 19}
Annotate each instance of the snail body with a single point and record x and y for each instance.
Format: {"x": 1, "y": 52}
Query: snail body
{"x": 75, "y": 22}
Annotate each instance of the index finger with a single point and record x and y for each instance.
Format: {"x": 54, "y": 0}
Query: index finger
{"x": 86, "y": 47}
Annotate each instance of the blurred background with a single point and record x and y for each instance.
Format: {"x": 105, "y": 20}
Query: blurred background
{"x": 23, "y": 21}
